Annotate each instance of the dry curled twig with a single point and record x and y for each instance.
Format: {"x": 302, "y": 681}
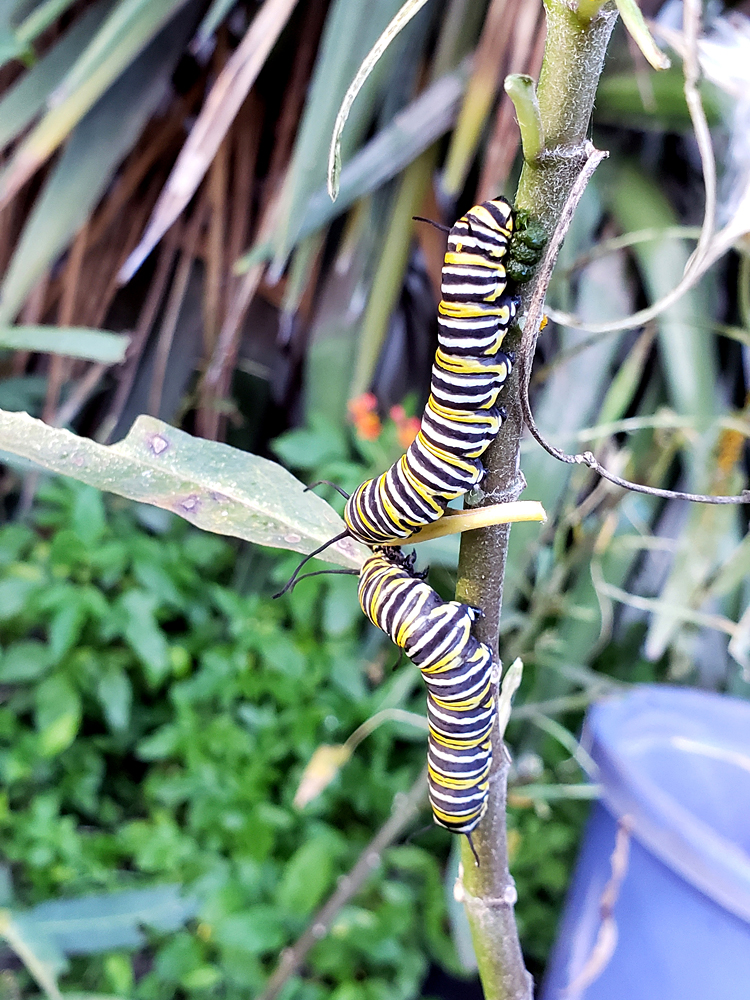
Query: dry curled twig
{"x": 606, "y": 938}
{"x": 711, "y": 244}
{"x": 528, "y": 346}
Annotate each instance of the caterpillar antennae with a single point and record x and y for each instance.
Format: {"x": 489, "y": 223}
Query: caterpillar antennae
{"x": 323, "y": 572}
{"x": 399, "y": 661}
{"x": 327, "y": 482}
{"x": 431, "y": 222}
{"x": 473, "y": 849}
{"x": 291, "y": 581}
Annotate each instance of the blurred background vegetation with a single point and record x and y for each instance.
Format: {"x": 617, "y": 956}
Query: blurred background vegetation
{"x": 167, "y": 247}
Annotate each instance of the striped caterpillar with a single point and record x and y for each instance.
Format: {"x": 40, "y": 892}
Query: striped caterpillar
{"x": 458, "y": 670}
{"x": 461, "y": 418}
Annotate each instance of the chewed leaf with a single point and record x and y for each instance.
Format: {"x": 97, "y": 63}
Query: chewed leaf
{"x": 213, "y": 486}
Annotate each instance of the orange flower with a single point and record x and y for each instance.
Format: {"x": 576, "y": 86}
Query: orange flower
{"x": 363, "y": 413}
{"x": 407, "y": 428}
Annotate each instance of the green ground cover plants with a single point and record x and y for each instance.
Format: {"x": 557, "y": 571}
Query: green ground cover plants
{"x": 158, "y": 710}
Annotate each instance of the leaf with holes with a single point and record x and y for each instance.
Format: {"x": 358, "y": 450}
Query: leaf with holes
{"x": 213, "y": 486}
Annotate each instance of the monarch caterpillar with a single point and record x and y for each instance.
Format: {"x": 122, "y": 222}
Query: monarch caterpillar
{"x": 459, "y": 672}
{"x": 461, "y": 418}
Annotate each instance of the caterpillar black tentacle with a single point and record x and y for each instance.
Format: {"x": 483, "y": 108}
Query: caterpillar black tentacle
{"x": 458, "y": 671}
{"x": 327, "y": 482}
{"x": 293, "y": 578}
{"x": 431, "y": 222}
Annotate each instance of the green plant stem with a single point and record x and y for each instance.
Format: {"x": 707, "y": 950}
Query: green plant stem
{"x": 388, "y": 279}
{"x": 573, "y": 61}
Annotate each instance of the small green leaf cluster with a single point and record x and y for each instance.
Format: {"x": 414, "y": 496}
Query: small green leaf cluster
{"x": 527, "y": 242}
{"x": 541, "y": 865}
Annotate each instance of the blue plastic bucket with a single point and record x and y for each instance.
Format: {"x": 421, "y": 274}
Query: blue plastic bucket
{"x": 676, "y": 763}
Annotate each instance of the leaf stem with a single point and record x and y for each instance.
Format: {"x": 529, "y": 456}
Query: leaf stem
{"x": 520, "y": 89}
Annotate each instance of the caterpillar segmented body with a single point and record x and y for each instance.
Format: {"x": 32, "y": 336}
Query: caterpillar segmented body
{"x": 461, "y": 417}
{"x": 458, "y": 671}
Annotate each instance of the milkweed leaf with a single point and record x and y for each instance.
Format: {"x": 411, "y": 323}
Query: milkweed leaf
{"x": 215, "y": 487}
{"x": 111, "y": 920}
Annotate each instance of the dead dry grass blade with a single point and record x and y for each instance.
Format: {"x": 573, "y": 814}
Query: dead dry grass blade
{"x": 146, "y": 318}
{"x": 174, "y": 305}
{"x": 59, "y": 367}
{"x": 222, "y": 104}
{"x": 606, "y": 939}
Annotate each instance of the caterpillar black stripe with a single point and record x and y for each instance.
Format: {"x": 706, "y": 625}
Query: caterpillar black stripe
{"x": 458, "y": 670}
{"x": 461, "y": 418}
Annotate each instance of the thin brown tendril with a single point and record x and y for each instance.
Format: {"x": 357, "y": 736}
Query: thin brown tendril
{"x": 528, "y": 346}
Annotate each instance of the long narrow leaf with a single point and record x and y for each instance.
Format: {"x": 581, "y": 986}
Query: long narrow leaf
{"x": 94, "y": 151}
{"x": 111, "y": 920}
{"x": 409, "y": 10}
{"x": 350, "y": 29}
{"x": 22, "y": 102}
{"x": 41, "y": 17}
{"x": 73, "y": 341}
{"x": 131, "y": 22}
{"x": 212, "y": 485}
{"x": 633, "y": 20}
{"x": 60, "y": 120}
{"x": 213, "y": 18}
{"x": 412, "y": 130}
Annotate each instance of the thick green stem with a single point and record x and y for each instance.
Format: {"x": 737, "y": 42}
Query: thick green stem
{"x": 574, "y": 56}
{"x": 573, "y": 59}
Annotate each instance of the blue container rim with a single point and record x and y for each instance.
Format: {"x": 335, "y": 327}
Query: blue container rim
{"x": 693, "y": 721}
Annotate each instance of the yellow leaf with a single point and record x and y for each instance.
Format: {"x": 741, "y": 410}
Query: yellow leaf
{"x": 322, "y": 768}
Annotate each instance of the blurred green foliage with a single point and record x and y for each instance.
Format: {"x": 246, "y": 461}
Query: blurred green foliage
{"x": 157, "y": 712}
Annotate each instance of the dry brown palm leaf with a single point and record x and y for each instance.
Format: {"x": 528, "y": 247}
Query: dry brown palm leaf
{"x": 222, "y": 104}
